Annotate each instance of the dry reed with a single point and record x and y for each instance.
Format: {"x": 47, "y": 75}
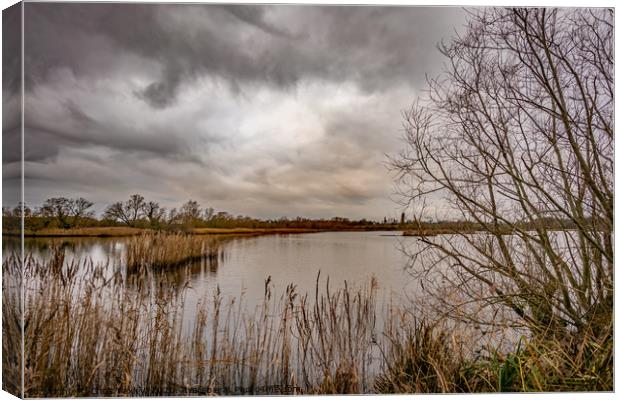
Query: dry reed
{"x": 92, "y": 331}
{"x": 166, "y": 250}
{"x": 89, "y": 333}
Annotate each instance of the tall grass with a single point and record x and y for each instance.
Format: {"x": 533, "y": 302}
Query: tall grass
{"x": 425, "y": 358}
{"x": 581, "y": 363}
{"x": 165, "y": 250}
{"x": 91, "y": 333}
{"x": 11, "y": 329}
{"x": 94, "y": 331}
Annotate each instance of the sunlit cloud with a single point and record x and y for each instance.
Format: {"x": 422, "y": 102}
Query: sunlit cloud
{"x": 266, "y": 111}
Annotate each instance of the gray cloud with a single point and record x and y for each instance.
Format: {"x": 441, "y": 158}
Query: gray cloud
{"x": 11, "y": 105}
{"x": 11, "y": 48}
{"x": 374, "y": 46}
{"x": 161, "y": 94}
{"x": 255, "y": 15}
{"x": 260, "y": 110}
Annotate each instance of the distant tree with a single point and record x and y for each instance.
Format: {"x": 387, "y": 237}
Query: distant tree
{"x": 190, "y": 212}
{"x": 191, "y": 209}
{"x": 221, "y": 219}
{"x": 67, "y": 212}
{"x": 116, "y": 212}
{"x": 128, "y": 212}
{"x": 223, "y": 215}
{"x": 173, "y": 217}
{"x": 209, "y": 213}
{"x": 154, "y": 213}
{"x": 78, "y": 208}
{"x": 17, "y": 211}
{"x": 58, "y": 208}
{"x": 135, "y": 206}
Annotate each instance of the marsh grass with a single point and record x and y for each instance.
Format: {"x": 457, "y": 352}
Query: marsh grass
{"x": 93, "y": 331}
{"x": 11, "y": 331}
{"x": 578, "y": 364}
{"x": 168, "y": 250}
{"x": 426, "y": 358}
{"x": 89, "y": 333}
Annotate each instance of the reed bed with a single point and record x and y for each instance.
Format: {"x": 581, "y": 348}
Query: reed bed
{"x": 11, "y": 329}
{"x": 93, "y": 331}
{"x": 438, "y": 357}
{"x": 168, "y": 250}
{"x": 89, "y": 333}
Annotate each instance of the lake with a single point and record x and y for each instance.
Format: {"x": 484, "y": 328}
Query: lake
{"x": 246, "y": 262}
{"x": 213, "y": 312}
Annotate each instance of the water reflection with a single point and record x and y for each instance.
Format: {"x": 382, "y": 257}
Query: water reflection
{"x": 245, "y": 263}
{"x": 236, "y": 278}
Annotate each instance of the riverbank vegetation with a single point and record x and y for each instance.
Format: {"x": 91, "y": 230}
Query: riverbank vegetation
{"x": 155, "y": 251}
{"x": 40, "y": 223}
{"x": 517, "y": 136}
{"x": 93, "y": 332}
{"x": 138, "y": 214}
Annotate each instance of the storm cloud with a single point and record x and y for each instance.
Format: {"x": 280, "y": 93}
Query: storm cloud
{"x": 261, "y": 110}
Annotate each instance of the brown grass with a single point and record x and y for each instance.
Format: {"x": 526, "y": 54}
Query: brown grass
{"x": 94, "y": 331}
{"x": 90, "y": 334}
{"x": 164, "y": 250}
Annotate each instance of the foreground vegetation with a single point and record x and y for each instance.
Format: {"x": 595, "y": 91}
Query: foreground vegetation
{"x": 91, "y": 332}
{"x": 517, "y": 134}
{"x": 426, "y": 359}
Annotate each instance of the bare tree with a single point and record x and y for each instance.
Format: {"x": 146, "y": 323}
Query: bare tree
{"x": 154, "y": 213}
{"x": 515, "y": 134}
{"x": 209, "y": 213}
{"x": 134, "y": 206}
{"x": 58, "y": 208}
{"x": 21, "y": 210}
{"x": 172, "y": 217}
{"x": 78, "y": 208}
{"x": 190, "y": 212}
{"x": 116, "y": 212}
{"x": 129, "y": 212}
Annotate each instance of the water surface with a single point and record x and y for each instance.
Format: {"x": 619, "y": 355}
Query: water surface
{"x": 247, "y": 262}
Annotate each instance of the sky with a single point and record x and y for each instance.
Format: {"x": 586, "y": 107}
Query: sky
{"x": 265, "y": 111}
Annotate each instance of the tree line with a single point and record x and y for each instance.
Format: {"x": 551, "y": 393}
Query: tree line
{"x": 138, "y": 212}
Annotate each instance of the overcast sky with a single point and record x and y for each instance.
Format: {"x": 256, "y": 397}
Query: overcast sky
{"x": 261, "y": 110}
